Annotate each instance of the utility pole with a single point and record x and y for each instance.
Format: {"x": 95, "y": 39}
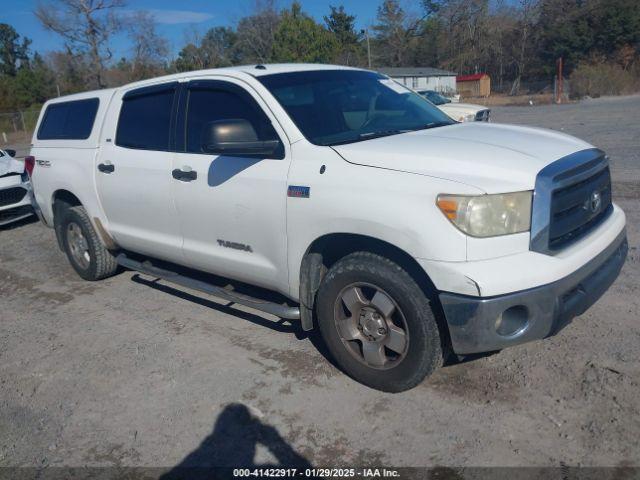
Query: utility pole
{"x": 559, "y": 82}
{"x": 365, "y": 31}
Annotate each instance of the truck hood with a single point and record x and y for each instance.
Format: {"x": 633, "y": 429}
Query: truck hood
{"x": 494, "y": 158}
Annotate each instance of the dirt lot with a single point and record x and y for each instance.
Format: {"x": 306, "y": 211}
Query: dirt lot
{"x": 132, "y": 372}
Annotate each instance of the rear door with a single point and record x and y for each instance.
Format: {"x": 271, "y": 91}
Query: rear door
{"x": 233, "y": 209}
{"x": 133, "y": 171}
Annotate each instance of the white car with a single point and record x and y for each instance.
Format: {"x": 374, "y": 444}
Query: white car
{"x": 15, "y": 189}
{"x": 460, "y": 112}
{"x": 403, "y": 235}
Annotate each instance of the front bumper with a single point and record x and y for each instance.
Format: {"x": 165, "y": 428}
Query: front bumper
{"x": 15, "y": 199}
{"x": 483, "y": 324}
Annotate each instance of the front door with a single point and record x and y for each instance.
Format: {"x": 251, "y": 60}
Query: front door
{"x": 133, "y": 172}
{"x": 232, "y": 209}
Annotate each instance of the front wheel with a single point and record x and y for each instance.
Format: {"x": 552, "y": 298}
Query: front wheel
{"x": 377, "y": 323}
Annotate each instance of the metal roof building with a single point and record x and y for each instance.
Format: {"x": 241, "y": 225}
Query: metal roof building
{"x": 423, "y": 78}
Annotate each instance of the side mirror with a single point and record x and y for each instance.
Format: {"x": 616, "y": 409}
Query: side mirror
{"x": 235, "y": 137}
{"x": 10, "y": 152}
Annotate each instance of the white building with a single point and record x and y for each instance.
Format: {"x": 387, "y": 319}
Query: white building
{"x": 423, "y": 78}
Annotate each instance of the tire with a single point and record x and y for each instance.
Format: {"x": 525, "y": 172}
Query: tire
{"x": 394, "y": 362}
{"x": 86, "y": 253}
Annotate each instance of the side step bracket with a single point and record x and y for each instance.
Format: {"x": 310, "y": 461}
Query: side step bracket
{"x": 282, "y": 311}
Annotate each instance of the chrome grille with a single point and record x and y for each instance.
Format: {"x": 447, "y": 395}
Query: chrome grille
{"x": 572, "y": 196}
{"x": 578, "y": 207}
{"x": 11, "y": 196}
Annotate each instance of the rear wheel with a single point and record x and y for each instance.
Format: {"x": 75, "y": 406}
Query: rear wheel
{"x": 86, "y": 253}
{"x": 378, "y": 323}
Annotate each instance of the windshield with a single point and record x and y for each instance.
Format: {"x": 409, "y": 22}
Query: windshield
{"x": 332, "y": 107}
{"x": 435, "y": 97}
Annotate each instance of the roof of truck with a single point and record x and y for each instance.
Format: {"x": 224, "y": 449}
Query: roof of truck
{"x": 255, "y": 70}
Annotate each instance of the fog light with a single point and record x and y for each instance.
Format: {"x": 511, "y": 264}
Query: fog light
{"x": 512, "y": 321}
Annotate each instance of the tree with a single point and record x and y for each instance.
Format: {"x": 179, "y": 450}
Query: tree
{"x": 565, "y": 31}
{"x": 219, "y": 47}
{"x": 70, "y": 70}
{"x": 300, "y": 39}
{"x": 528, "y": 17}
{"x": 34, "y": 84}
{"x": 190, "y": 58}
{"x": 616, "y": 23}
{"x": 150, "y": 49}
{"x": 87, "y": 27}
{"x": 396, "y": 35}
{"x": 13, "y": 51}
{"x": 256, "y": 32}
{"x": 577, "y": 30}
{"x": 342, "y": 26}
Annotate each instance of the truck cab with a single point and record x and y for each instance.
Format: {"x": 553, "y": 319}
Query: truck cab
{"x": 402, "y": 235}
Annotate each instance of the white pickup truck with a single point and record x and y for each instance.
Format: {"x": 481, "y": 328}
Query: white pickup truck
{"x": 403, "y": 235}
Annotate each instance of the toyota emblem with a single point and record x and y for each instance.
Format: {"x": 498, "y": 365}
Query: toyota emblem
{"x": 595, "y": 201}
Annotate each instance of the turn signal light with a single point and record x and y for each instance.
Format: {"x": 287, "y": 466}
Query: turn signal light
{"x": 449, "y": 208}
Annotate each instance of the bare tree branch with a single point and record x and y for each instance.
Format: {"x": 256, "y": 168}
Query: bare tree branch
{"x": 86, "y": 26}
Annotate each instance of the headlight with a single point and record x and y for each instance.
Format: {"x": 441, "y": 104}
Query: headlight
{"x": 488, "y": 215}
{"x": 467, "y": 118}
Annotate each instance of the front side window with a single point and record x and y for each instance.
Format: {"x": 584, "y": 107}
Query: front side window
{"x": 334, "y": 107}
{"x": 206, "y": 105}
{"x": 145, "y": 119}
{"x": 69, "y": 120}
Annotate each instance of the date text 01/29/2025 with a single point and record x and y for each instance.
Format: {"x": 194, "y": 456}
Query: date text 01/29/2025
{"x": 317, "y": 472}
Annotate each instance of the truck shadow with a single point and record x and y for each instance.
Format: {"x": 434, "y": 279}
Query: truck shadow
{"x": 281, "y": 325}
{"x": 233, "y": 444}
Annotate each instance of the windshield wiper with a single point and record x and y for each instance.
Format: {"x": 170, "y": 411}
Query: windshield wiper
{"x": 381, "y": 133}
{"x": 368, "y": 136}
{"x": 426, "y": 126}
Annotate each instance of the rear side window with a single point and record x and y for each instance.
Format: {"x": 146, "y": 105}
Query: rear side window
{"x": 69, "y": 120}
{"x": 145, "y": 118}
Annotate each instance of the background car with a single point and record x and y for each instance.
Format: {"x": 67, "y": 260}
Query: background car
{"x": 15, "y": 189}
{"x": 460, "y": 112}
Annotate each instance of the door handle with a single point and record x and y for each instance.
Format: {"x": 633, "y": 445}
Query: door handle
{"x": 106, "y": 167}
{"x": 184, "y": 175}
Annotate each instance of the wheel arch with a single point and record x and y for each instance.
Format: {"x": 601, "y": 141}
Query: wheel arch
{"x": 60, "y": 199}
{"x": 63, "y": 198}
{"x": 66, "y": 196}
{"x": 326, "y": 250}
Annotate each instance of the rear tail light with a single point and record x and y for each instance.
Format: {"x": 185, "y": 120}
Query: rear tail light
{"x": 29, "y": 164}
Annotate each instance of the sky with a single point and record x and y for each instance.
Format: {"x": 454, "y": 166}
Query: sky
{"x": 177, "y": 18}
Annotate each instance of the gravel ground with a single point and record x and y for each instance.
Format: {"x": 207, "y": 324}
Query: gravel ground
{"x": 129, "y": 371}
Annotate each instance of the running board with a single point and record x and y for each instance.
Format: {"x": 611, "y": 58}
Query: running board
{"x": 282, "y": 311}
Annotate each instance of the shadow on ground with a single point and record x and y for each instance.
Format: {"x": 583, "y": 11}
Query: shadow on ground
{"x": 281, "y": 325}
{"x": 233, "y": 444}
